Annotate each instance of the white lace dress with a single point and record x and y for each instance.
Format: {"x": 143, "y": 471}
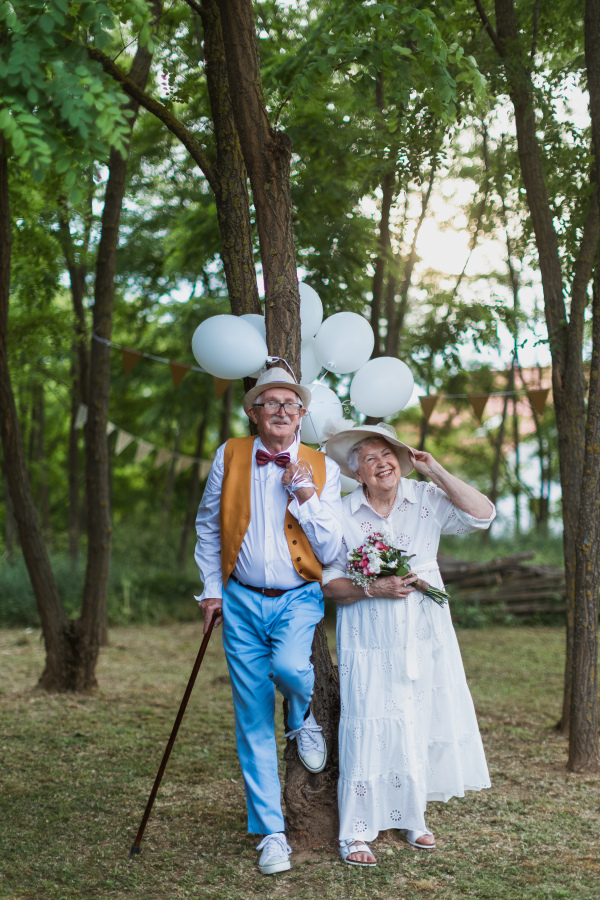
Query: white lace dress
{"x": 408, "y": 731}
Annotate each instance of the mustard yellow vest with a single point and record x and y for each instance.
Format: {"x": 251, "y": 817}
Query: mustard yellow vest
{"x": 235, "y": 509}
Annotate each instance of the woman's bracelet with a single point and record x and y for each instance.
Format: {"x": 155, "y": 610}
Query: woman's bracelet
{"x": 367, "y": 590}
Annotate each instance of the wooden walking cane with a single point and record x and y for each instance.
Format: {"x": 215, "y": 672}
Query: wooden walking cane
{"x": 135, "y": 847}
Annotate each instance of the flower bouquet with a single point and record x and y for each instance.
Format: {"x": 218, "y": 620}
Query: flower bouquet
{"x": 380, "y": 557}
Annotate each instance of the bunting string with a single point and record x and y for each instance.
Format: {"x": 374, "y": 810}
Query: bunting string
{"x": 145, "y": 448}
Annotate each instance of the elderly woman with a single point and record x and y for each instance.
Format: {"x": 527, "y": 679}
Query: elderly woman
{"x": 408, "y": 731}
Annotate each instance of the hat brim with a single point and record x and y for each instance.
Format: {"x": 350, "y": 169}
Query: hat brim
{"x": 339, "y": 446}
{"x": 257, "y": 390}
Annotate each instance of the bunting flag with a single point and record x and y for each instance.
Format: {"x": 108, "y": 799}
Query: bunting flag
{"x": 161, "y": 458}
{"x": 183, "y": 463}
{"x": 221, "y": 385}
{"x": 123, "y": 440}
{"x": 478, "y": 402}
{"x": 143, "y": 450}
{"x": 538, "y": 398}
{"x": 81, "y": 417}
{"x": 428, "y": 404}
{"x": 178, "y": 372}
{"x": 130, "y": 359}
{"x": 205, "y": 467}
{"x": 110, "y": 427}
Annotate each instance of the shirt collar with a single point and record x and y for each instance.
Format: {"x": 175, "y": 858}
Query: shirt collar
{"x": 406, "y": 491}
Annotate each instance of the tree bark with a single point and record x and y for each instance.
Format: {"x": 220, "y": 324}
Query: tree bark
{"x": 584, "y": 753}
{"x": 52, "y": 616}
{"x": 267, "y": 154}
{"x": 388, "y": 183}
{"x": 583, "y": 733}
{"x": 565, "y": 337}
{"x": 99, "y": 527}
{"x": 311, "y": 800}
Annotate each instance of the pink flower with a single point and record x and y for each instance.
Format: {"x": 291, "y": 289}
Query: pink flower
{"x": 379, "y": 545}
{"x": 364, "y": 563}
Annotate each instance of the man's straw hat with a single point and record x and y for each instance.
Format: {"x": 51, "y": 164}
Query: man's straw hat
{"x": 276, "y": 378}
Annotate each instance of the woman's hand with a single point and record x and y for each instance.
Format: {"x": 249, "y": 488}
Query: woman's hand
{"x": 423, "y": 462}
{"x": 393, "y": 587}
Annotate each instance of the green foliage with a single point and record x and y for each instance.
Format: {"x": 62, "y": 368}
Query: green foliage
{"x": 57, "y": 108}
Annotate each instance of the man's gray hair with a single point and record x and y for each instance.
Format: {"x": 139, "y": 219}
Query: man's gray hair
{"x": 366, "y": 442}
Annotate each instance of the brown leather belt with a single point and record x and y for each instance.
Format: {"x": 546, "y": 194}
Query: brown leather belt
{"x": 266, "y": 592}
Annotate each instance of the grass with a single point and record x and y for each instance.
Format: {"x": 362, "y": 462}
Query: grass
{"x": 77, "y": 770}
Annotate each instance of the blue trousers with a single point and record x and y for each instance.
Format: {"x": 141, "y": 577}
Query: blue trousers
{"x": 268, "y": 644}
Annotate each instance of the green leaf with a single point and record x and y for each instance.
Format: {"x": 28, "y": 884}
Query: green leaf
{"x": 46, "y": 23}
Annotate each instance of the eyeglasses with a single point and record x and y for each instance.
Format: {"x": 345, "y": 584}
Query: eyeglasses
{"x": 273, "y": 406}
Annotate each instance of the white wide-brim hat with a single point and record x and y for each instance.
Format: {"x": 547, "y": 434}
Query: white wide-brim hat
{"x": 343, "y": 435}
{"x": 276, "y": 378}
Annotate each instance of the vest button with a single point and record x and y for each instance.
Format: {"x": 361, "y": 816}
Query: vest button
{"x": 298, "y": 558}
{"x": 299, "y": 571}
{"x": 289, "y": 526}
{"x": 294, "y": 542}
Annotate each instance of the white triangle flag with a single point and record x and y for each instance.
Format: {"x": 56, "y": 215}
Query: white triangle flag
{"x": 110, "y": 427}
{"x": 81, "y": 417}
{"x": 123, "y": 440}
{"x": 205, "y": 467}
{"x": 143, "y": 449}
{"x": 161, "y": 458}
{"x": 183, "y": 463}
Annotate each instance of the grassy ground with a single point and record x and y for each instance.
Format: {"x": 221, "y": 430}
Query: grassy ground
{"x": 76, "y": 772}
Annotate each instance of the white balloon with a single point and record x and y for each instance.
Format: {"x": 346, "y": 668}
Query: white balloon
{"x": 324, "y": 405}
{"x": 228, "y": 347}
{"x": 260, "y": 324}
{"x": 309, "y": 363}
{"x": 347, "y": 484}
{"x": 311, "y": 311}
{"x": 257, "y": 322}
{"x": 344, "y": 342}
{"x": 382, "y": 387}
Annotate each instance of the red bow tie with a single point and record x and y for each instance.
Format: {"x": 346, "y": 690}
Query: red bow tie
{"x": 280, "y": 459}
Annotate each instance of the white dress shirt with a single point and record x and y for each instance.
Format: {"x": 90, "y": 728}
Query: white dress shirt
{"x": 264, "y": 559}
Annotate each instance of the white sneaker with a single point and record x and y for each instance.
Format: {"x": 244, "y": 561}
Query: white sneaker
{"x": 275, "y": 856}
{"x": 311, "y": 744}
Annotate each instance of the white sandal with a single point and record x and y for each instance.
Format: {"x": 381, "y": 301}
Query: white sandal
{"x": 413, "y": 836}
{"x": 349, "y": 846}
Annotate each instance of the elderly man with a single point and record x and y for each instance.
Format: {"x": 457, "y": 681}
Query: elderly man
{"x": 269, "y": 519}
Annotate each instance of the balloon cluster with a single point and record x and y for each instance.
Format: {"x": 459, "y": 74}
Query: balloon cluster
{"x": 233, "y": 347}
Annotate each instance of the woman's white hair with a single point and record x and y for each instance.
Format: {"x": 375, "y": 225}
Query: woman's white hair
{"x": 366, "y": 442}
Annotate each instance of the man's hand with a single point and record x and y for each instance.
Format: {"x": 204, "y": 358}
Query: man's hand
{"x": 393, "y": 587}
{"x": 208, "y": 606}
{"x": 303, "y": 494}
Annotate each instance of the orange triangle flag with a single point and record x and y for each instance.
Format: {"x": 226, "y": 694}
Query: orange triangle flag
{"x": 478, "y": 402}
{"x": 538, "y": 399}
{"x": 221, "y": 385}
{"x": 428, "y": 405}
{"x": 178, "y": 372}
{"x": 130, "y": 359}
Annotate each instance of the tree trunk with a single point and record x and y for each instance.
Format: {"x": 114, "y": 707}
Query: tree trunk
{"x": 10, "y": 524}
{"x": 267, "y": 154}
{"x": 230, "y": 184}
{"x": 583, "y": 732}
{"x": 99, "y": 527}
{"x": 565, "y": 337}
{"x": 73, "y": 465}
{"x": 388, "y": 183}
{"x": 311, "y": 801}
{"x": 583, "y": 735}
{"x": 59, "y": 657}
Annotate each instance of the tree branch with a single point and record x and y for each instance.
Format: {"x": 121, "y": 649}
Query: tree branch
{"x": 159, "y": 110}
{"x": 490, "y": 29}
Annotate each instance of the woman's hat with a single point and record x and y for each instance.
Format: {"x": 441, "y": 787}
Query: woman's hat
{"x": 276, "y": 378}
{"x": 343, "y": 435}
